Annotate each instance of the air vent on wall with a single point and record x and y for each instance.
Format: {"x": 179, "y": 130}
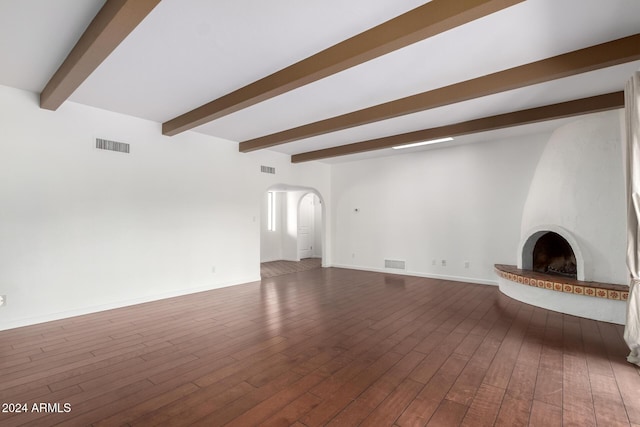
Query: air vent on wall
{"x": 105, "y": 144}
{"x": 267, "y": 169}
{"x": 392, "y": 263}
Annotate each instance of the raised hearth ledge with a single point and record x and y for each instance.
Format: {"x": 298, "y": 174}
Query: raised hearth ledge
{"x": 592, "y": 300}
{"x": 563, "y": 284}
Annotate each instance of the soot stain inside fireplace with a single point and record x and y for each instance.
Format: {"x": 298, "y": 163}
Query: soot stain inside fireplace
{"x": 552, "y": 254}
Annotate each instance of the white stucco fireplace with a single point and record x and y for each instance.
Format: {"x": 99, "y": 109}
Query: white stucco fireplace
{"x": 577, "y": 195}
{"x": 565, "y": 293}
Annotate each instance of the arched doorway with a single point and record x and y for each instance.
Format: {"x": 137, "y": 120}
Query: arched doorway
{"x": 292, "y": 235}
{"x": 310, "y": 227}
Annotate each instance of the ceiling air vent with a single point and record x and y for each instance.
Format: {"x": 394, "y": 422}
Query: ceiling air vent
{"x": 393, "y": 263}
{"x": 105, "y": 144}
{"x": 267, "y": 169}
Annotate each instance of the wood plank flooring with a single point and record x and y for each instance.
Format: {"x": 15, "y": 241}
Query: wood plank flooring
{"x": 278, "y": 268}
{"x": 329, "y": 347}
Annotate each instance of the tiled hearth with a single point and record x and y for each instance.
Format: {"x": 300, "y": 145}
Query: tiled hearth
{"x": 562, "y": 284}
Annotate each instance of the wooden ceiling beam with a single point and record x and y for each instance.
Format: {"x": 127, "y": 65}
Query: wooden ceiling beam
{"x": 420, "y": 23}
{"x": 576, "y": 107}
{"x": 109, "y": 28}
{"x": 592, "y": 58}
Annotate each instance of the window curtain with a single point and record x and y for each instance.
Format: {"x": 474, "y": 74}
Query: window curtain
{"x": 631, "y": 152}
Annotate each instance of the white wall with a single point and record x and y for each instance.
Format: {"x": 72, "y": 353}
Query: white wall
{"x": 579, "y": 185}
{"x": 290, "y": 227}
{"x": 317, "y": 227}
{"x": 83, "y": 229}
{"x": 271, "y": 240}
{"x": 458, "y": 204}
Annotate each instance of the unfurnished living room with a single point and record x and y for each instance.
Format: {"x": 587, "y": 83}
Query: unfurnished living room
{"x": 308, "y": 213}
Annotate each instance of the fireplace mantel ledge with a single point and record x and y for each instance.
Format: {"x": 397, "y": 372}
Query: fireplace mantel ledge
{"x": 562, "y": 284}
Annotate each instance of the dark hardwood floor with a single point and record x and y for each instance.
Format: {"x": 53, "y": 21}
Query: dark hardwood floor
{"x": 322, "y": 347}
{"x": 278, "y": 268}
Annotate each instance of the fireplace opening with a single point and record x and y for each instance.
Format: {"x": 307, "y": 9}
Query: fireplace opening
{"x": 552, "y": 254}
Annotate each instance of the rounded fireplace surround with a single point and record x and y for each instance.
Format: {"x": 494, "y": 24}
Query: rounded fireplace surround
{"x": 579, "y": 297}
{"x": 525, "y": 249}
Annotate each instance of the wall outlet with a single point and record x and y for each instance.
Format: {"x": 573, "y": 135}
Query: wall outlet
{"x": 213, "y": 269}
{"x": 467, "y": 264}
{"x": 3, "y": 300}
{"x": 444, "y": 262}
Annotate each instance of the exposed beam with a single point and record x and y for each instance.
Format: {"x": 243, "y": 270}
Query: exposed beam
{"x": 111, "y": 25}
{"x": 580, "y": 61}
{"x": 425, "y": 21}
{"x": 576, "y": 107}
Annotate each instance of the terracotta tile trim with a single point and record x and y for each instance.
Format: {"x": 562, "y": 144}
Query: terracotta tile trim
{"x": 561, "y": 284}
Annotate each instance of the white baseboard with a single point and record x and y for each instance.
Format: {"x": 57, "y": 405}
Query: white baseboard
{"x": 419, "y": 274}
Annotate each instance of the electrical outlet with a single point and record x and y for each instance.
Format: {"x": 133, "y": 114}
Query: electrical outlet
{"x": 467, "y": 264}
{"x": 3, "y": 300}
{"x": 213, "y": 269}
{"x": 444, "y": 262}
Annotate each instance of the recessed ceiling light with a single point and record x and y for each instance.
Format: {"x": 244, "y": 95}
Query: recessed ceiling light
{"x": 417, "y": 144}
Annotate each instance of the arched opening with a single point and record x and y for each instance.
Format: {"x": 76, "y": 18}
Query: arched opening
{"x": 552, "y": 254}
{"x": 292, "y": 235}
{"x": 310, "y": 227}
{"x": 552, "y": 249}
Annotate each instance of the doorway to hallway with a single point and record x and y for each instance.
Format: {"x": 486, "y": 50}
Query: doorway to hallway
{"x": 292, "y": 230}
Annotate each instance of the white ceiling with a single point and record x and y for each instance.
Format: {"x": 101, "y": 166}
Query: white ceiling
{"x": 189, "y": 52}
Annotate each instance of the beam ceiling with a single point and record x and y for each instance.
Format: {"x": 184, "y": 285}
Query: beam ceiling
{"x": 576, "y": 107}
{"x": 109, "y": 28}
{"x": 420, "y": 23}
{"x": 592, "y": 58}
